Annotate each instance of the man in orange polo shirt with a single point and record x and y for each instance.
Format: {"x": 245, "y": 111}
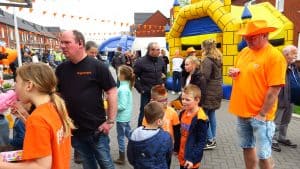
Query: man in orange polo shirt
{"x": 258, "y": 75}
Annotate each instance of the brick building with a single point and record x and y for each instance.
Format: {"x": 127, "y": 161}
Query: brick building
{"x": 290, "y": 8}
{"x": 30, "y": 34}
{"x": 149, "y": 24}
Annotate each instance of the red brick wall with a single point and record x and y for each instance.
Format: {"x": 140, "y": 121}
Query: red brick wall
{"x": 291, "y": 11}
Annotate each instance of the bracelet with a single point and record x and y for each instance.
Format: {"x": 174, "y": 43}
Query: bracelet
{"x": 110, "y": 121}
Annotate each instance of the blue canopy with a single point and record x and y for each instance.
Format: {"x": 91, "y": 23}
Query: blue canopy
{"x": 111, "y": 44}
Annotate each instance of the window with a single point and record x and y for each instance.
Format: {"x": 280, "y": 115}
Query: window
{"x": 298, "y": 45}
{"x": 3, "y": 32}
{"x": 11, "y": 34}
{"x": 280, "y": 5}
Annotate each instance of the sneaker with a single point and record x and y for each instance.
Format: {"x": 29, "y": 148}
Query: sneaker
{"x": 288, "y": 143}
{"x": 173, "y": 92}
{"x": 276, "y": 147}
{"x": 210, "y": 145}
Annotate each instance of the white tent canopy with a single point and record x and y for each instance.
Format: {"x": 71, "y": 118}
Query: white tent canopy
{"x": 141, "y": 43}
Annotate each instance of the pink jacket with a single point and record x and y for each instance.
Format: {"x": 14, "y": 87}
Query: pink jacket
{"x": 7, "y": 99}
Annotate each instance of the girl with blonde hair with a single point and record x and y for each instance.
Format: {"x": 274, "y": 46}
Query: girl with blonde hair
{"x": 47, "y": 142}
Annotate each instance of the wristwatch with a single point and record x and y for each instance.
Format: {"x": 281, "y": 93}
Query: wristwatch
{"x": 108, "y": 121}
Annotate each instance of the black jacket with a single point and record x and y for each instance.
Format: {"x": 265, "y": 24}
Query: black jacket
{"x": 149, "y": 72}
{"x": 197, "y": 79}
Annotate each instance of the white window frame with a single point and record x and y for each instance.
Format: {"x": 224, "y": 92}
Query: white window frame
{"x": 298, "y": 45}
{"x": 2, "y": 32}
{"x": 11, "y": 34}
{"x": 279, "y": 5}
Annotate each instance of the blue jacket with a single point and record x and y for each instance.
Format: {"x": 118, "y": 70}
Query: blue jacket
{"x": 151, "y": 153}
{"x": 18, "y": 134}
{"x": 196, "y": 139}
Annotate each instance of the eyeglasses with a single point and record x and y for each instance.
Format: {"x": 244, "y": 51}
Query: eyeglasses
{"x": 155, "y": 49}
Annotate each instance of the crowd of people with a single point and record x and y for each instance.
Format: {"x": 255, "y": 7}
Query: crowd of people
{"x": 64, "y": 106}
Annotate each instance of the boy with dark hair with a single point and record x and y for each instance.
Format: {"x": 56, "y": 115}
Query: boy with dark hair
{"x": 150, "y": 147}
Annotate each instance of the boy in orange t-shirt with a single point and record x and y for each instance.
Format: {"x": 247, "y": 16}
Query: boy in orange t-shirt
{"x": 171, "y": 122}
{"x": 194, "y": 124}
{"x": 47, "y": 142}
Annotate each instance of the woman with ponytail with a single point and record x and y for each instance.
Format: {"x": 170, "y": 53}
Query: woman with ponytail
{"x": 47, "y": 143}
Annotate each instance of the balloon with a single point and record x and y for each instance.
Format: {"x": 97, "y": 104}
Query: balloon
{"x": 11, "y": 57}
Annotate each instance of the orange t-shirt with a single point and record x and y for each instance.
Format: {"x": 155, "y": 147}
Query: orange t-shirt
{"x": 185, "y": 124}
{"x": 44, "y": 136}
{"x": 259, "y": 70}
{"x": 170, "y": 119}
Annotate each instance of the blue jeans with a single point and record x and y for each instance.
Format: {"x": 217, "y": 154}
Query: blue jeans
{"x": 145, "y": 98}
{"x": 123, "y": 129}
{"x": 94, "y": 149}
{"x": 251, "y": 131}
{"x": 211, "y": 131}
{"x": 176, "y": 81}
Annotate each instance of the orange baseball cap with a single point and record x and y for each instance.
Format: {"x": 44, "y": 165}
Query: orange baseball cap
{"x": 256, "y": 27}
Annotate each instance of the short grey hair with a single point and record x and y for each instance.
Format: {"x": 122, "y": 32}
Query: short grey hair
{"x": 286, "y": 50}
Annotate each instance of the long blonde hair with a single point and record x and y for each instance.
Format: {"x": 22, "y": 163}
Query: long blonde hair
{"x": 210, "y": 49}
{"x": 44, "y": 80}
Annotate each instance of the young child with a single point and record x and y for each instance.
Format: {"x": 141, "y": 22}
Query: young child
{"x": 47, "y": 142}
{"x": 194, "y": 124}
{"x": 171, "y": 121}
{"x": 150, "y": 147}
{"x": 126, "y": 77}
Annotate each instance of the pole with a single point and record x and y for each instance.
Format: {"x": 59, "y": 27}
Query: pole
{"x": 17, "y": 38}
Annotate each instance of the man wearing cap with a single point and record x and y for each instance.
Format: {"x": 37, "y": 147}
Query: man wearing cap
{"x": 258, "y": 76}
{"x": 285, "y": 105}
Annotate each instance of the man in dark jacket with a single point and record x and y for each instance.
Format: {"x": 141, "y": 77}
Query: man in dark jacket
{"x": 118, "y": 59}
{"x": 149, "y": 71}
{"x": 285, "y": 105}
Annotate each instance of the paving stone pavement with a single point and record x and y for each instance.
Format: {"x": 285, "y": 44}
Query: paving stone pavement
{"x": 227, "y": 155}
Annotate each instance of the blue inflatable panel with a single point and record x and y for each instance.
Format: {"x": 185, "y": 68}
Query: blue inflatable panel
{"x": 204, "y": 25}
{"x": 112, "y": 43}
{"x": 227, "y": 91}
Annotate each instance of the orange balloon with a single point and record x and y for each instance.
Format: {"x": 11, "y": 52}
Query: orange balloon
{"x": 12, "y": 55}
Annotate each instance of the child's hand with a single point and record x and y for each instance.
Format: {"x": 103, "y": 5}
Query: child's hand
{"x": 188, "y": 165}
{"x": 19, "y": 111}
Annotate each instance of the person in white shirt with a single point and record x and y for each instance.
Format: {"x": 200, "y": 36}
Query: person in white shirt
{"x": 176, "y": 69}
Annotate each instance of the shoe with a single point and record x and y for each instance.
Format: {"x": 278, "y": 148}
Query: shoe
{"x": 121, "y": 159}
{"x": 288, "y": 143}
{"x": 173, "y": 92}
{"x": 210, "y": 145}
{"x": 77, "y": 158}
{"x": 276, "y": 147}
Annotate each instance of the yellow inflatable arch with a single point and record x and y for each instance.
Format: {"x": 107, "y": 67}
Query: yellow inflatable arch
{"x": 228, "y": 19}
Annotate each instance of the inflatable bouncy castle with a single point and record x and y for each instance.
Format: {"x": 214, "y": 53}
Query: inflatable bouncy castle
{"x": 214, "y": 19}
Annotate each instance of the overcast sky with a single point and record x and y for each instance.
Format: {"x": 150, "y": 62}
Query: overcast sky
{"x": 113, "y": 10}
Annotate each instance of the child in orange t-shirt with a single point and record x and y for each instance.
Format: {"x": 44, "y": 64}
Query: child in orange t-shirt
{"x": 47, "y": 142}
{"x": 194, "y": 124}
{"x": 171, "y": 121}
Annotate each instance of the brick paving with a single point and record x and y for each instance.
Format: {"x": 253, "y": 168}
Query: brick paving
{"x": 227, "y": 155}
